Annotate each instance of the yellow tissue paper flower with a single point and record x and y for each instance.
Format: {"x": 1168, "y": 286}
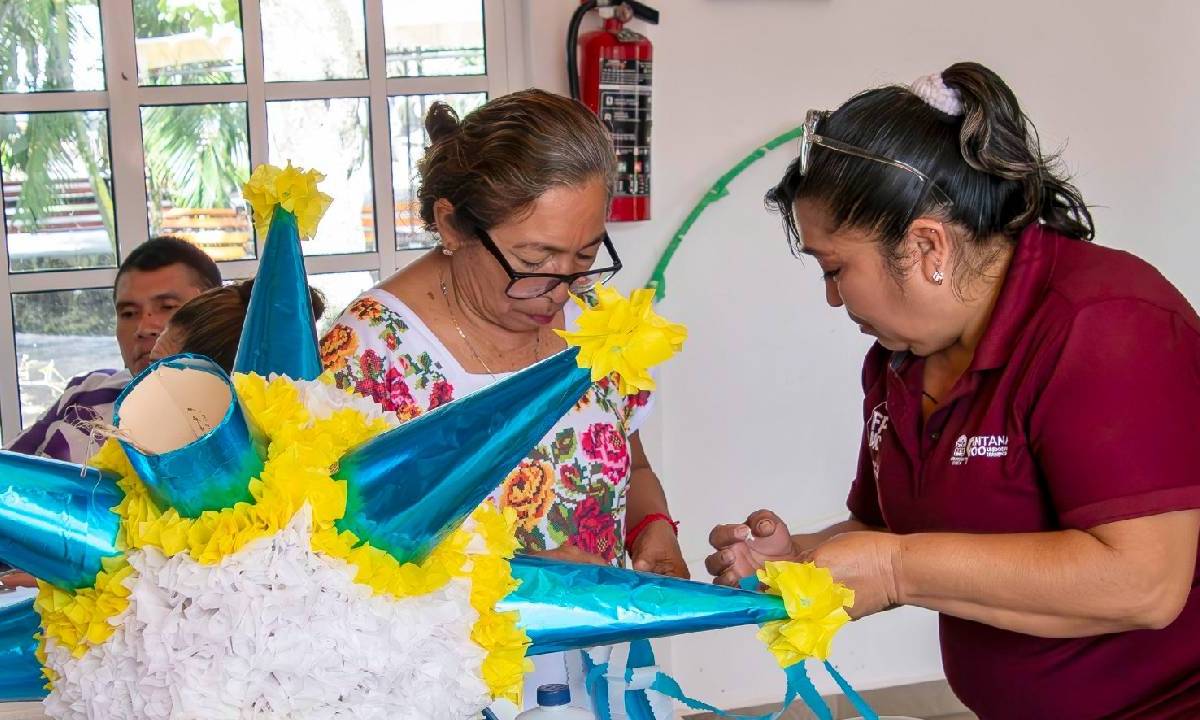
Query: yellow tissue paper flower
{"x": 624, "y": 336}
{"x": 292, "y": 189}
{"x": 816, "y": 607}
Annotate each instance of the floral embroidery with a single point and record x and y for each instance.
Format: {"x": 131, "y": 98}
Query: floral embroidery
{"x": 596, "y": 529}
{"x": 529, "y": 490}
{"x": 570, "y": 489}
{"x": 606, "y": 444}
{"x": 338, "y": 345}
{"x": 440, "y": 394}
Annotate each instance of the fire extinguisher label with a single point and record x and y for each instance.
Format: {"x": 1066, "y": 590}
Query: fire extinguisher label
{"x": 625, "y": 110}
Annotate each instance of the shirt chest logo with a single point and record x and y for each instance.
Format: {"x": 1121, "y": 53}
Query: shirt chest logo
{"x": 979, "y": 446}
{"x": 875, "y": 429}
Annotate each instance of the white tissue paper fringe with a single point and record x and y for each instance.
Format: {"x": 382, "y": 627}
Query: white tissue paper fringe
{"x": 273, "y": 631}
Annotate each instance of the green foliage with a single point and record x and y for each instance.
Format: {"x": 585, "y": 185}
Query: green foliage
{"x": 196, "y": 154}
{"x": 69, "y": 312}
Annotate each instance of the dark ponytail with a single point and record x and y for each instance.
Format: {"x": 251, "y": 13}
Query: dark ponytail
{"x": 997, "y": 138}
{"x": 987, "y": 162}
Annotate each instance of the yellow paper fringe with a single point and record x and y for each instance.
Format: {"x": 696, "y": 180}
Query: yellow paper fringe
{"x": 301, "y": 457}
{"x": 816, "y": 607}
{"x": 625, "y": 336}
{"x": 292, "y": 189}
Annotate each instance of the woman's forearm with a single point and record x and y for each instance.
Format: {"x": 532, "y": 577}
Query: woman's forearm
{"x": 1069, "y": 583}
{"x": 646, "y": 495}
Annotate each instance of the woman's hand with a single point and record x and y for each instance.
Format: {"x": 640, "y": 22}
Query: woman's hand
{"x": 866, "y": 562}
{"x": 570, "y": 553}
{"x": 743, "y": 548}
{"x": 10, "y": 580}
{"x": 656, "y": 550}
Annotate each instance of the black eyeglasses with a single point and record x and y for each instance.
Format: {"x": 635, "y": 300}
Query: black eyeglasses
{"x": 527, "y": 285}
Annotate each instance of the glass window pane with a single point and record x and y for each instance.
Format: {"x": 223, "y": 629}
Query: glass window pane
{"x": 197, "y": 159}
{"x": 61, "y": 334}
{"x": 330, "y": 136}
{"x": 339, "y": 290}
{"x": 58, "y": 202}
{"x": 314, "y": 40}
{"x": 188, "y": 42}
{"x": 434, "y": 38}
{"x": 407, "y": 113}
{"x": 50, "y": 45}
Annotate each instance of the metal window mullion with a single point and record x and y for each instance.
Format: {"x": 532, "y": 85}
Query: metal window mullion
{"x": 448, "y": 85}
{"x": 61, "y": 280}
{"x": 381, "y": 141}
{"x": 356, "y": 262}
{"x": 495, "y": 45}
{"x": 125, "y": 125}
{"x": 191, "y": 94}
{"x": 256, "y": 99}
{"x": 10, "y": 398}
{"x": 53, "y": 101}
{"x": 317, "y": 89}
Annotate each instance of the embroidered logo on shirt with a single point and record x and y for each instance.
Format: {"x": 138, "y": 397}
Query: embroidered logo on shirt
{"x": 988, "y": 446}
{"x": 879, "y": 423}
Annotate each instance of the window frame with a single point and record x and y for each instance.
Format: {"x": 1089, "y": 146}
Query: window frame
{"x": 123, "y": 99}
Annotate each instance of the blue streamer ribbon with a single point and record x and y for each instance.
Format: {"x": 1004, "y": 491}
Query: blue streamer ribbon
{"x": 637, "y": 705}
{"x": 851, "y": 694}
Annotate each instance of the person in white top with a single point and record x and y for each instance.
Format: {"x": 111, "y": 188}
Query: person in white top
{"x": 518, "y": 193}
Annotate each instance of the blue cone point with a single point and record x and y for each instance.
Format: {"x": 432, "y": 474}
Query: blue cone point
{"x": 56, "y": 518}
{"x": 280, "y": 334}
{"x": 20, "y": 672}
{"x": 411, "y": 486}
{"x": 564, "y": 605}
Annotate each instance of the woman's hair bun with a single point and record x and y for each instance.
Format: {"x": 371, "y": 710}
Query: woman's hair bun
{"x": 441, "y": 122}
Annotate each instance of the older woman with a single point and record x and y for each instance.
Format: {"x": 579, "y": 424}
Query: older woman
{"x": 518, "y": 193}
{"x": 1026, "y": 466}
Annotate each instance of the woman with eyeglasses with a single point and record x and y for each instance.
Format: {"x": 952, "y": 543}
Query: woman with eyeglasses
{"x": 1030, "y": 414}
{"x": 518, "y": 193}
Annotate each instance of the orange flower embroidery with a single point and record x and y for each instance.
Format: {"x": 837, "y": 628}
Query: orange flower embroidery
{"x": 338, "y": 346}
{"x": 529, "y": 490}
{"x": 366, "y": 309}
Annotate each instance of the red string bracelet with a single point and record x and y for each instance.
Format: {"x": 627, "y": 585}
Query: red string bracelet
{"x": 632, "y": 533}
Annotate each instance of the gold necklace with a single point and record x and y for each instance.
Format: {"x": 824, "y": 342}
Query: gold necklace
{"x": 470, "y": 346}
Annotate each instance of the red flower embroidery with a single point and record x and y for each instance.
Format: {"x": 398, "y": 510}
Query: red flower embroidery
{"x": 639, "y": 400}
{"x": 441, "y": 393}
{"x": 569, "y": 476}
{"x": 597, "y": 530}
{"x": 603, "y": 442}
{"x": 399, "y": 397}
{"x": 371, "y": 364}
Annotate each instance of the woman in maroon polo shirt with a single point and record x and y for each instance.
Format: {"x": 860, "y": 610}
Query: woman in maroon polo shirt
{"x": 1031, "y": 415}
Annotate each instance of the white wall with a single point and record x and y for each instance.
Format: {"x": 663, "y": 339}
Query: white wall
{"x": 762, "y": 409}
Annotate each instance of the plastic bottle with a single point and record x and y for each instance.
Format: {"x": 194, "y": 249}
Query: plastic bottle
{"x": 554, "y": 703}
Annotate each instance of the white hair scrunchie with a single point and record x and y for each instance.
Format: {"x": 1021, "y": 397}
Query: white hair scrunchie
{"x": 933, "y": 90}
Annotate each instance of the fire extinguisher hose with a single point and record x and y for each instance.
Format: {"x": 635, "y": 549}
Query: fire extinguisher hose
{"x": 573, "y": 43}
{"x": 719, "y": 189}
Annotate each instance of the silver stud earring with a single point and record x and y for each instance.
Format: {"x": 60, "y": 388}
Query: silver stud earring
{"x": 447, "y": 251}
{"x": 938, "y": 277}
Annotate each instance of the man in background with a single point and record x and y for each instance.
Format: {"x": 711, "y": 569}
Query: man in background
{"x": 158, "y": 276}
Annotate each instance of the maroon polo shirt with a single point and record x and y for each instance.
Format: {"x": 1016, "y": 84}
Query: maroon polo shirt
{"x": 1081, "y": 407}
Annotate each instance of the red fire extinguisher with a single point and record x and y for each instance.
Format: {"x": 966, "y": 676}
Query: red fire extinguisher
{"x": 609, "y": 70}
